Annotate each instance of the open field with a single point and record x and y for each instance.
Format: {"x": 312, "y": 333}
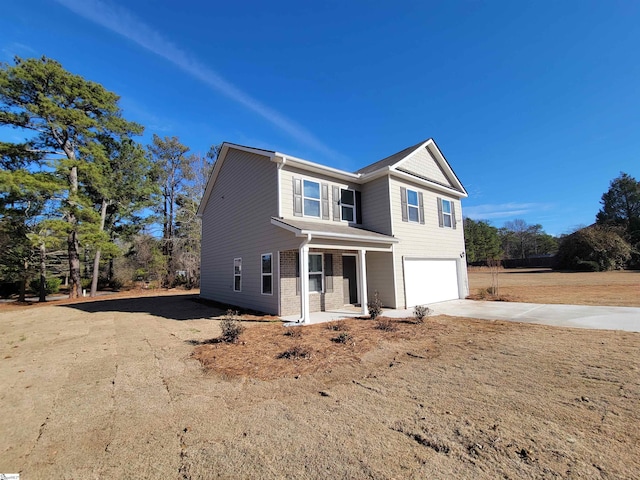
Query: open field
{"x": 541, "y": 285}
{"x": 110, "y": 389}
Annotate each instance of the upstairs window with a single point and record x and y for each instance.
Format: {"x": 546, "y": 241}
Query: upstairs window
{"x": 311, "y": 198}
{"x": 446, "y": 213}
{"x": 237, "y": 274}
{"x": 413, "y": 206}
{"x": 348, "y": 205}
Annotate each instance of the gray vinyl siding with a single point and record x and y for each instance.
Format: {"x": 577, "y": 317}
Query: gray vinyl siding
{"x": 380, "y": 277}
{"x": 425, "y": 241}
{"x": 236, "y": 223}
{"x": 423, "y": 164}
{"x": 376, "y": 214}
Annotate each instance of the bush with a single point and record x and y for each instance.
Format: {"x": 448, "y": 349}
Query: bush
{"x": 586, "y": 266}
{"x": 375, "y": 306}
{"x": 336, "y": 326}
{"x": 52, "y": 285}
{"x": 295, "y": 352}
{"x": 385, "y": 324}
{"x": 597, "y": 245}
{"x": 231, "y": 327}
{"x": 420, "y": 312}
{"x": 343, "y": 337}
{"x": 292, "y": 332}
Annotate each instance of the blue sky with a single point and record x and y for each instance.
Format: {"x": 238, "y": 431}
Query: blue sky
{"x": 536, "y": 105}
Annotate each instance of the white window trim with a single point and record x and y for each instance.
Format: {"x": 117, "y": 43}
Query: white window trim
{"x": 262, "y": 274}
{"x": 445, "y": 214}
{"x": 352, "y": 207}
{"x": 321, "y": 272}
{"x": 319, "y": 199}
{"x": 237, "y": 259}
{"x": 411, "y": 205}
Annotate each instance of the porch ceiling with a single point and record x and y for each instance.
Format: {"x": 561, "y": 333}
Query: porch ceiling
{"x": 340, "y": 232}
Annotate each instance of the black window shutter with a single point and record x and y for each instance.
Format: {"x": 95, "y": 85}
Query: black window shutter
{"x": 328, "y": 272}
{"x": 421, "y": 207}
{"x": 358, "y": 207}
{"x": 297, "y": 273}
{"x": 440, "y": 218}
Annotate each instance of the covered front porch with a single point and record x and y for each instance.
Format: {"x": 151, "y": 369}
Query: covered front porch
{"x": 328, "y": 272}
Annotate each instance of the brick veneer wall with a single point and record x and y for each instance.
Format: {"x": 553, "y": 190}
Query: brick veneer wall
{"x": 318, "y": 302}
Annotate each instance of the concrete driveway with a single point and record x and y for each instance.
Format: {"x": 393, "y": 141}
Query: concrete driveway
{"x": 579, "y": 316}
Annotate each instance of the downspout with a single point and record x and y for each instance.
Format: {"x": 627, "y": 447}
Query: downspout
{"x": 304, "y": 280}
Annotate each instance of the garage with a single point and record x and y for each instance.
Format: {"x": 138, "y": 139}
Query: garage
{"x": 430, "y": 280}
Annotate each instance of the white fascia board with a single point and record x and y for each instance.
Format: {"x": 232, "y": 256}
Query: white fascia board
{"x": 350, "y": 247}
{"x": 443, "y": 163}
{"x": 337, "y": 236}
{"x": 348, "y": 236}
{"x": 434, "y": 186}
{"x": 316, "y": 167}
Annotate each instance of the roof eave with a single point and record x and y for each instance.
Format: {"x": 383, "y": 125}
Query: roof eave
{"x": 299, "y": 232}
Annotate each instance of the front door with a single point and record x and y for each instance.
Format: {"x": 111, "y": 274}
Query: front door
{"x": 349, "y": 279}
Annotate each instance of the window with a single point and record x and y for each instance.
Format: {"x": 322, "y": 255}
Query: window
{"x": 267, "y": 274}
{"x": 237, "y": 274}
{"x": 446, "y": 213}
{"x": 315, "y": 272}
{"x": 413, "y": 206}
{"x": 347, "y": 205}
{"x": 311, "y": 198}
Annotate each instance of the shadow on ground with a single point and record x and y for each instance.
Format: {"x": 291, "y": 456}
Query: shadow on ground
{"x": 172, "y": 307}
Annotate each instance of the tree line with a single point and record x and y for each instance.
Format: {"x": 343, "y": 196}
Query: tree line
{"x": 79, "y": 195}
{"x": 612, "y": 242}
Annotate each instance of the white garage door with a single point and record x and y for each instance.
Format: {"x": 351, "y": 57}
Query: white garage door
{"x": 430, "y": 281}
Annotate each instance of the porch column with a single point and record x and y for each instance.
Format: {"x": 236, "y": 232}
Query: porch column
{"x": 304, "y": 284}
{"x": 363, "y": 281}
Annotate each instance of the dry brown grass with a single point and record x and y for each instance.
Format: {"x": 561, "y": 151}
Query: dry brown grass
{"x": 113, "y": 392}
{"x": 617, "y": 288}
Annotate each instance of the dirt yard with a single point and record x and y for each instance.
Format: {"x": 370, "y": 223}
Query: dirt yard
{"x": 618, "y": 288}
{"x": 111, "y": 389}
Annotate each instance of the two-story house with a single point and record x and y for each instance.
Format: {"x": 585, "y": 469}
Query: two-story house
{"x": 288, "y": 236}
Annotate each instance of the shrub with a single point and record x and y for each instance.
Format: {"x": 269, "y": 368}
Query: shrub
{"x": 375, "y": 306}
{"x": 343, "y": 337}
{"x": 420, "y": 312}
{"x": 586, "y": 266}
{"x": 295, "y": 352}
{"x": 293, "y": 332}
{"x": 385, "y": 324}
{"x": 231, "y": 327}
{"x": 52, "y": 285}
{"x": 336, "y": 326}
{"x": 596, "y": 244}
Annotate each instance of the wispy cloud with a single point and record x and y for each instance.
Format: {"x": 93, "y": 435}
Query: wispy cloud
{"x": 503, "y": 210}
{"x": 123, "y": 22}
{"x": 14, "y": 49}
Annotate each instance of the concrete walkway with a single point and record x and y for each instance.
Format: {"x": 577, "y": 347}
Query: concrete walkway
{"x": 577, "y": 316}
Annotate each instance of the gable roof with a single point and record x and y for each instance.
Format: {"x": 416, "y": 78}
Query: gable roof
{"x": 388, "y": 165}
{"x": 391, "y": 159}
